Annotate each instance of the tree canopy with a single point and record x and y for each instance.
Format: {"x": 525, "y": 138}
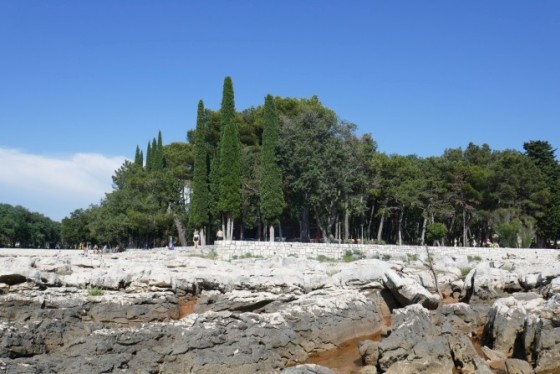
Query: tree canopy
{"x": 294, "y": 164}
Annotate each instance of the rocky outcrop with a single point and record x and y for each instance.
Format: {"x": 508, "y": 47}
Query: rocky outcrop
{"x": 167, "y": 312}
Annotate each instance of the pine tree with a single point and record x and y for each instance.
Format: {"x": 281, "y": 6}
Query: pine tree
{"x": 199, "y": 202}
{"x": 230, "y": 148}
{"x": 543, "y": 155}
{"x": 272, "y": 197}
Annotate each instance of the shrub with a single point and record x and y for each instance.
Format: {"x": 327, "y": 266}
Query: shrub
{"x": 474, "y": 258}
{"x": 386, "y": 257}
{"x": 95, "y": 291}
{"x": 435, "y": 231}
{"x": 465, "y": 272}
{"x": 323, "y": 258}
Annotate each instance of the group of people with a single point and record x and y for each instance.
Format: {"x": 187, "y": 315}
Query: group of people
{"x": 197, "y": 240}
{"x": 96, "y": 250}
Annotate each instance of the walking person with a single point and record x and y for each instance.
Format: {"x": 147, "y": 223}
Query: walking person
{"x": 196, "y": 239}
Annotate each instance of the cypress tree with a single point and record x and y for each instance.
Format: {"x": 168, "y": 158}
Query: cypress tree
{"x": 138, "y": 159}
{"x": 160, "y": 161}
{"x": 199, "y": 202}
{"x": 272, "y": 197}
{"x": 230, "y": 152}
{"x": 149, "y": 157}
{"x": 154, "y": 158}
{"x": 214, "y": 189}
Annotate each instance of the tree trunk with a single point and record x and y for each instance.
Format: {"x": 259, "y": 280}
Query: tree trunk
{"x": 370, "y": 222}
{"x": 401, "y": 214}
{"x": 280, "y": 232}
{"x": 336, "y": 230}
{"x": 202, "y": 236}
{"x": 241, "y": 230}
{"x": 179, "y": 226}
{"x": 380, "y": 229}
{"x": 304, "y": 225}
{"x": 423, "y": 235}
{"x": 259, "y": 226}
{"x": 346, "y": 222}
{"x": 271, "y": 233}
{"x": 464, "y": 226}
{"x": 230, "y": 228}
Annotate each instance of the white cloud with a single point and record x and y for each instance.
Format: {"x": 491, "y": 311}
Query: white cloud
{"x": 55, "y": 186}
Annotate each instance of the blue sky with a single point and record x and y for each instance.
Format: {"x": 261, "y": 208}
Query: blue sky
{"x": 83, "y": 82}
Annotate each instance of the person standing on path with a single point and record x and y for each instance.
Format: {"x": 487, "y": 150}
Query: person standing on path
{"x": 196, "y": 238}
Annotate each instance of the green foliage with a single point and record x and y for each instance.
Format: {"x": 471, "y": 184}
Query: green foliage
{"x": 328, "y": 175}
{"x": 230, "y": 183}
{"x": 348, "y": 256}
{"x": 95, "y": 291}
{"x": 199, "y": 196}
{"x": 465, "y": 271}
{"x": 250, "y": 255}
{"x": 386, "y": 257}
{"x": 435, "y": 231}
{"x": 543, "y": 156}
{"x": 272, "y": 197}
{"x": 315, "y": 154}
{"x": 323, "y": 258}
{"x": 138, "y": 157}
{"x": 18, "y": 226}
{"x": 473, "y": 258}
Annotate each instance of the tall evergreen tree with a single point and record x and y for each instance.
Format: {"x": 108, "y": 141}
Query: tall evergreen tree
{"x": 159, "y": 160}
{"x": 214, "y": 190}
{"x": 149, "y": 156}
{"x": 138, "y": 158}
{"x": 542, "y": 154}
{"x": 154, "y": 159}
{"x": 199, "y": 201}
{"x": 230, "y": 148}
{"x": 272, "y": 197}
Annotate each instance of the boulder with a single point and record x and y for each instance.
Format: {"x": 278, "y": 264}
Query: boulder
{"x": 369, "y": 350}
{"x": 414, "y": 338}
{"x": 516, "y": 366}
{"x": 406, "y": 291}
{"x": 486, "y": 282}
{"x": 506, "y": 321}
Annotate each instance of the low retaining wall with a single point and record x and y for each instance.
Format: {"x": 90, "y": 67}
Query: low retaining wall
{"x": 227, "y": 250}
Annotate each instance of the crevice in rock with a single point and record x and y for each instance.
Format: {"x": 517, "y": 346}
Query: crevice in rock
{"x": 12, "y": 279}
{"x": 254, "y": 308}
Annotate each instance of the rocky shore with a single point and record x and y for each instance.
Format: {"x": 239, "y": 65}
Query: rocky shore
{"x": 166, "y": 311}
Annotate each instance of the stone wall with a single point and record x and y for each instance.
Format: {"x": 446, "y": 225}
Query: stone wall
{"x": 227, "y": 250}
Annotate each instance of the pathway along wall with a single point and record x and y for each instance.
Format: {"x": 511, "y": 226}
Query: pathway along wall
{"x": 228, "y": 250}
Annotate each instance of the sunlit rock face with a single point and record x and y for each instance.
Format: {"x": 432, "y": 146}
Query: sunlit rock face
{"x": 170, "y": 312}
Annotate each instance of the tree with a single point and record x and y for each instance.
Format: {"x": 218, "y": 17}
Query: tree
{"x": 548, "y": 225}
{"x": 160, "y": 161}
{"x": 272, "y": 197}
{"x": 230, "y": 196}
{"x": 149, "y": 157}
{"x": 435, "y": 232}
{"x": 138, "y": 157}
{"x": 314, "y": 157}
{"x": 199, "y": 199}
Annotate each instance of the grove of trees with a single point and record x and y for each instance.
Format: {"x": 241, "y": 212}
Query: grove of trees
{"x": 291, "y": 168}
{"x": 21, "y": 228}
